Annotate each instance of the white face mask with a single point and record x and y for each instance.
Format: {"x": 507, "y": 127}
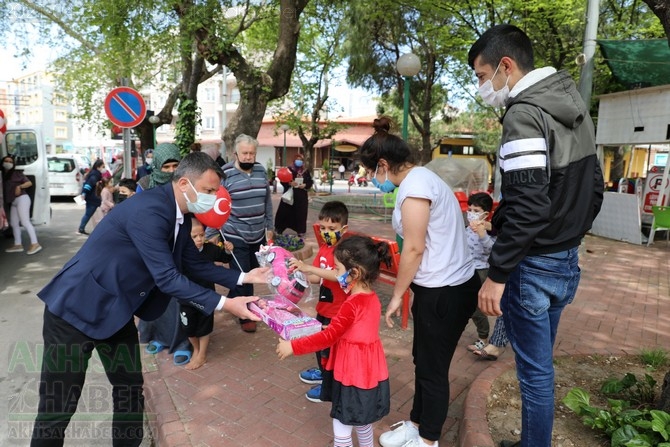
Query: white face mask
{"x": 495, "y": 98}
{"x": 8, "y": 166}
{"x": 474, "y": 216}
{"x": 149, "y": 160}
{"x": 203, "y": 202}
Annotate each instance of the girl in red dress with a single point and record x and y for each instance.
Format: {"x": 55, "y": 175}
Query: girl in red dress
{"x": 360, "y": 394}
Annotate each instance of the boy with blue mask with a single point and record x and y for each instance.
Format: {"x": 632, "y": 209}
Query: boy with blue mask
{"x": 333, "y": 219}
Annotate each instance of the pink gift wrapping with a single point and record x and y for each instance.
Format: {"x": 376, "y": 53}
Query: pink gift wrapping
{"x": 284, "y": 317}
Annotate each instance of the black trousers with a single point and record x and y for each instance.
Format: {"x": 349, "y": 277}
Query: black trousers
{"x": 440, "y": 316}
{"x": 67, "y": 352}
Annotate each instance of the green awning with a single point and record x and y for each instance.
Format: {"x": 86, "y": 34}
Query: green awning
{"x": 638, "y": 63}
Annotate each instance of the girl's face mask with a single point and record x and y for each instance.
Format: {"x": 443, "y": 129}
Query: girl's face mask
{"x": 342, "y": 280}
{"x": 474, "y": 216}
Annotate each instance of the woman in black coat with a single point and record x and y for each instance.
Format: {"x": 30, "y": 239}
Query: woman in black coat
{"x": 295, "y": 216}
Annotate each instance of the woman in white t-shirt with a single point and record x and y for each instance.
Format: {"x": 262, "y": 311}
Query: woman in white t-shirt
{"x": 436, "y": 264}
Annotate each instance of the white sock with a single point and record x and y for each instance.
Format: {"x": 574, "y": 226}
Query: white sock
{"x": 423, "y": 444}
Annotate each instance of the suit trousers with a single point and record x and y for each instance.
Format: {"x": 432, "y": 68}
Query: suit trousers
{"x": 67, "y": 352}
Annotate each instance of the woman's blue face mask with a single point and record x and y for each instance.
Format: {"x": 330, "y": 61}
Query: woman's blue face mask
{"x": 385, "y": 187}
{"x": 298, "y": 163}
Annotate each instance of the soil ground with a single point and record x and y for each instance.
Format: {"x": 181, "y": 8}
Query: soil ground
{"x": 586, "y": 372}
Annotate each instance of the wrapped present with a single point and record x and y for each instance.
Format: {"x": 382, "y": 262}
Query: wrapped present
{"x": 289, "y": 283}
{"x": 284, "y": 317}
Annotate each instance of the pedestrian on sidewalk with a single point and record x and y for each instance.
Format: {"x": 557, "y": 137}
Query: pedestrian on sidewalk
{"x": 88, "y": 193}
{"x": 341, "y": 170}
{"x": 436, "y": 264}
{"x": 91, "y": 303}
{"x": 14, "y": 186}
{"x": 552, "y": 190}
{"x": 361, "y": 394}
{"x": 333, "y": 220}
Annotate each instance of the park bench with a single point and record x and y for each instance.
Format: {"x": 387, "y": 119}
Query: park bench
{"x": 387, "y": 274}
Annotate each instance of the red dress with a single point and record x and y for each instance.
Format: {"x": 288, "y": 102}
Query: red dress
{"x": 361, "y": 393}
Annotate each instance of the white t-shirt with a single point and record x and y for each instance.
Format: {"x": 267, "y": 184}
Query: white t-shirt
{"x": 446, "y": 260}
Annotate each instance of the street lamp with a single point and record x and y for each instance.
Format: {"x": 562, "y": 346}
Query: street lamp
{"x": 408, "y": 65}
{"x": 153, "y": 119}
{"x": 284, "y": 127}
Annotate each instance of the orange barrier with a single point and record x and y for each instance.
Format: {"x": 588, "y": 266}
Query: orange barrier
{"x": 387, "y": 274}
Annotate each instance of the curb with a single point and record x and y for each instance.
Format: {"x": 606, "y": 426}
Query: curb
{"x": 473, "y": 430}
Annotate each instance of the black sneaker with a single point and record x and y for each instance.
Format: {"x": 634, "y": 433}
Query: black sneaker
{"x": 82, "y": 232}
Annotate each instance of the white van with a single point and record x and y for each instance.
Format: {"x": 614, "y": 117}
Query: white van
{"x": 27, "y": 147}
{"x": 66, "y": 175}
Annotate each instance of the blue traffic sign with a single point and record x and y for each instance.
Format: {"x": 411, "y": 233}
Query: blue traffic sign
{"x": 125, "y": 107}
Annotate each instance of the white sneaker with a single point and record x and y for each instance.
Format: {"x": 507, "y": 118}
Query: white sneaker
{"x": 417, "y": 442}
{"x": 404, "y": 432}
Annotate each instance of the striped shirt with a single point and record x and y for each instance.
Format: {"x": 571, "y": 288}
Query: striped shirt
{"x": 251, "y": 212}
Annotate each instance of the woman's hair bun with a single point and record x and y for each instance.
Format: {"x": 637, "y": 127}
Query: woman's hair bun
{"x": 382, "y": 124}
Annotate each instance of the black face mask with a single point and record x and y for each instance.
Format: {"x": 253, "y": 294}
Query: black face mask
{"x": 122, "y": 197}
{"x": 246, "y": 166}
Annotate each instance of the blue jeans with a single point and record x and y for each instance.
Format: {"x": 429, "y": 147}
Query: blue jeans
{"x": 534, "y": 297}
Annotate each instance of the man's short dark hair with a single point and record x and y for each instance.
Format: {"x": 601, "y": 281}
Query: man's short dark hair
{"x": 194, "y": 165}
{"x": 500, "y": 41}
{"x": 128, "y": 183}
{"x": 482, "y": 200}
{"x": 335, "y": 211}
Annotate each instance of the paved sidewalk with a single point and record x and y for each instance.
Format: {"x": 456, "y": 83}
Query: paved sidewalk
{"x": 244, "y": 396}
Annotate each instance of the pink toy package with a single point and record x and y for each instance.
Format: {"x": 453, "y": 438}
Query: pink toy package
{"x": 289, "y": 283}
{"x": 284, "y": 317}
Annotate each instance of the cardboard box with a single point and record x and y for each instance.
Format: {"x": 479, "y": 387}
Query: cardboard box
{"x": 284, "y": 317}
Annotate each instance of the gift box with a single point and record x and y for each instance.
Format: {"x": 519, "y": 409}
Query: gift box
{"x": 284, "y": 317}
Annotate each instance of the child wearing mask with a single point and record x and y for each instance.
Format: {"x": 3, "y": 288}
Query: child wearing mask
{"x": 360, "y": 384}
{"x": 333, "y": 219}
{"x": 480, "y": 243}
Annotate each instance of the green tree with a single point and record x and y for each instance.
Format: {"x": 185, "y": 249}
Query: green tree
{"x": 174, "y": 44}
{"x": 308, "y": 105}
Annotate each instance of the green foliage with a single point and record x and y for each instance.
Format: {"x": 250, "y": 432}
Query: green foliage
{"x": 269, "y": 171}
{"x": 189, "y": 118}
{"x": 624, "y": 425}
{"x": 629, "y": 388}
{"x": 654, "y": 358}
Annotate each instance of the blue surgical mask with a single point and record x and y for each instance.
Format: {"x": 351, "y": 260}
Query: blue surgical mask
{"x": 342, "y": 280}
{"x": 385, "y": 187}
{"x": 298, "y": 163}
{"x": 203, "y": 202}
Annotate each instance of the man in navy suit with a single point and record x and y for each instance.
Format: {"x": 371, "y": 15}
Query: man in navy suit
{"x": 139, "y": 256}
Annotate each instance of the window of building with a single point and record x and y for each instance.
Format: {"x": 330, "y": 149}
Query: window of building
{"x": 61, "y": 132}
{"x": 208, "y": 122}
{"x": 209, "y": 94}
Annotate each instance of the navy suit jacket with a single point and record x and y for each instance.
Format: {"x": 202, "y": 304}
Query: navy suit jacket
{"x": 128, "y": 267}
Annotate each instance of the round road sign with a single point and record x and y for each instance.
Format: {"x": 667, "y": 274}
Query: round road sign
{"x": 125, "y": 107}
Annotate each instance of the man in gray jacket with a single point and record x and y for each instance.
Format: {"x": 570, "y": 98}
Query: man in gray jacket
{"x": 552, "y": 190}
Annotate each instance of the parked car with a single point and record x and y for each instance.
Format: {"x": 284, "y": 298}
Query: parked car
{"x": 66, "y": 176}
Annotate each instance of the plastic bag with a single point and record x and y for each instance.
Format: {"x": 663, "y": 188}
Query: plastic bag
{"x": 287, "y": 197}
{"x": 289, "y": 283}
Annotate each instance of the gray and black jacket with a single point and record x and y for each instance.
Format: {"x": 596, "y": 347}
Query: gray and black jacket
{"x": 552, "y": 184}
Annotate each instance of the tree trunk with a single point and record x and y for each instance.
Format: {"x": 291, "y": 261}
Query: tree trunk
{"x": 662, "y": 10}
